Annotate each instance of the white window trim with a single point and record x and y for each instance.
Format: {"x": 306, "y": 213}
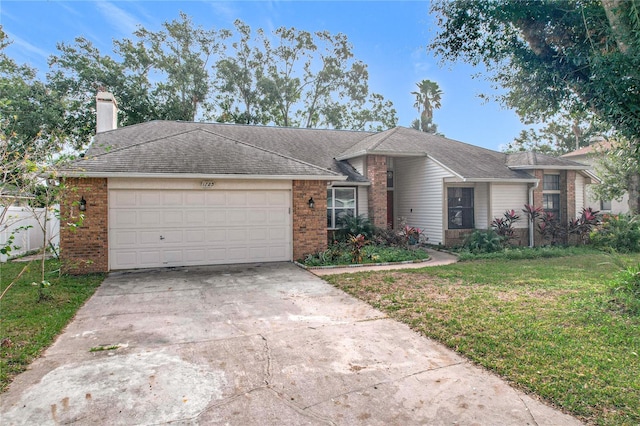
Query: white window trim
{"x": 333, "y": 209}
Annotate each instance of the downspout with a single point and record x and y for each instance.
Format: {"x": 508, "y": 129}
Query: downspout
{"x": 531, "y": 222}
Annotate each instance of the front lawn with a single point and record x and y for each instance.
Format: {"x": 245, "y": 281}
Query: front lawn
{"x": 29, "y": 325}
{"x": 547, "y": 325}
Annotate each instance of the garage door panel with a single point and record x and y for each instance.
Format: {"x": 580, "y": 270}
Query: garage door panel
{"x": 194, "y": 236}
{"x": 216, "y": 235}
{"x": 148, "y": 218}
{"x": 195, "y": 218}
{"x": 197, "y": 227}
{"x": 172, "y": 198}
{"x": 172, "y": 218}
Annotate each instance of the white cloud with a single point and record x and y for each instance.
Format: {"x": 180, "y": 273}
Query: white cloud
{"x": 420, "y": 61}
{"x": 225, "y": 11}
{"x": 118, "y": 18}
{"x": 25, "y": 45}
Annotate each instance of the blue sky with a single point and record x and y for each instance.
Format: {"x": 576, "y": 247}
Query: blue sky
{"x": 389, "y": 36}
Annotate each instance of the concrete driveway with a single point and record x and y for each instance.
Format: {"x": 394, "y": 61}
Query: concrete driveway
{"x": 252, "y": 344}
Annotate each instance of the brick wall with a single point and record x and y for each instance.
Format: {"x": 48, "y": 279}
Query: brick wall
{"x": 570, "y": 195}
{"x": 85, "y": 249}
{"x": 309, "y": 225}
{"x": 377, "y": 194}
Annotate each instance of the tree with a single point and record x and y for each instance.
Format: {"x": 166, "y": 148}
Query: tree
{"x": 554, "y": 55}
{"x": 428, "y": 98}
{"x": 297, "y": 78}
{"x": 560, "y": 136}
{"x": 31, "y": 112}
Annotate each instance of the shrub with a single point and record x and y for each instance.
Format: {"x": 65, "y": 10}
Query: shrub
{"x": 388, "y": 237}
{"x": 356, "y": 244}
{"x": 583, "y": 225}
{"x": 503, "y": 226}
{"x": 483, "y": 241}
{"x": 354, "y": 225}
{"x": 625, "y": 288}
{"x": 618, "y": 232}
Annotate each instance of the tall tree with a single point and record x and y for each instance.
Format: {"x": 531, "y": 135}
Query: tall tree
{"x": 31, "y": 112}
{"x": 428, "y": 98}
{"x": 552, "y": 56}
{"x": 297, "y": 78}
{"x": 560, "y": 136}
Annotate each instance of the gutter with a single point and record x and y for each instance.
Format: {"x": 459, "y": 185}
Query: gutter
{"x": 531, "y": 223}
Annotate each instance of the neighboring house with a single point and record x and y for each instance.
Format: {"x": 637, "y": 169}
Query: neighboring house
{"x": 588, "y": 155}
{"x": 182, "y": 193}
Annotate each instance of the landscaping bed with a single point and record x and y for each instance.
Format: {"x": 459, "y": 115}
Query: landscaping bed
{"x": 552, "y": 326}
{"x": 340, "y": 254}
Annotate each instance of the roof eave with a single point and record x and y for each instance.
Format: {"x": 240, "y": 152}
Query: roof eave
{"x": 334, "y": 177}
{"x": 548, "y": 167}
{"x": 493, "y": 180}
{"x": 374, "y": 152}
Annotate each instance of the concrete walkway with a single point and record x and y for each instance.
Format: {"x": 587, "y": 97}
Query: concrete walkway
{"x": 252, "y": 345}
{"x": 435, "y": 258}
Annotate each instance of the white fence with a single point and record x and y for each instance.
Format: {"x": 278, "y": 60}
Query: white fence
{"x": 26, "y": 225}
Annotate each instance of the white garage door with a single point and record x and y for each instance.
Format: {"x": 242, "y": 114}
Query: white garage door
{"x": 156, "y": 228}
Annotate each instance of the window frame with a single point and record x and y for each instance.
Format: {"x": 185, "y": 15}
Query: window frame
{"x": 331, "y": 208}
{"x": 556, "y": 212}
{"x": 606, "y": 205}
{"x": 551, "y": 188}
{"x": 466, "y": 212}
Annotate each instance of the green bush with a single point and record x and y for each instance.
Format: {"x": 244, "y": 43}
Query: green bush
{"x": 483, "y": 241}
{"x": 354, "y": 225}
{"x": 625, "y": 288}
{"x": 618, "y": 232}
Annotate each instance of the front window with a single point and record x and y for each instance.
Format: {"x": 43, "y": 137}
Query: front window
{"x": 341, "y": 202}
{"x": 551, "y": 204}
{"x": 551, "y": 183}
{"x": 460, "y": 205}
{"x": 605, "y": 205}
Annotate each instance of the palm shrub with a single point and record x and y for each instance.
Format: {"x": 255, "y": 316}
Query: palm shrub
{"x": 504, "y": 226}
{"x": 483, "y": 241}
{"x": 618, "y": 232}
{"x": 354, "y": 225}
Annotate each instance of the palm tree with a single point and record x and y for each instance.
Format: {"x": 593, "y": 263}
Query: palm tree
{"x": 427, "y": 99}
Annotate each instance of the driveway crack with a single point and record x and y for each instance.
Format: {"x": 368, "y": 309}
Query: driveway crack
{"x": 267, "y": 350}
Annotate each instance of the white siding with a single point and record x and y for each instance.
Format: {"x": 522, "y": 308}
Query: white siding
{"x": 509, "y": 197}
{"x": 362, "y": 204}
{"x": 358, "y": 164}
{"x": 419, "y": 184}
{"x": 580, "y": 198}
{"x": 481, "y": 206}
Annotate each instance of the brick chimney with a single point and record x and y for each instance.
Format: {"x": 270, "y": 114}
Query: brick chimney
{"x": 106, "y": 112}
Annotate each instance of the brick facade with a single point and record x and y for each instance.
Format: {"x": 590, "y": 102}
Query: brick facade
{"x": 377, "y": 194}
{"x": 85, "y": 248}
{"x": 309, "y": 224}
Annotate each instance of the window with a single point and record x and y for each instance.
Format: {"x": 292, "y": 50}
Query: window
{"x": 341, "y": 202}
{"x": 460, "y": 205}
{"x": 551, "y": 204}
{"x": 605, "y": 205}
{"x": 551, "y": 183}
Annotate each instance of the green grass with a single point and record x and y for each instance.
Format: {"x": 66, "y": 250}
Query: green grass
{"x": 28, "y": 326}
{"x": 547, "y": 325}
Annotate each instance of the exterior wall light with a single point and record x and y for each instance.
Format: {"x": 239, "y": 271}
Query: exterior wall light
{"x": 83, "y": 204}
{"x": 311, "y": 203}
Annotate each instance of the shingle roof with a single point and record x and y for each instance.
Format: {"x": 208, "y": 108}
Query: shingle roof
{"x": 467, "y": 161}
{"x": 187, "y": 147}
{"x": 532, "y": 160}
{"x": 211, "y": 148}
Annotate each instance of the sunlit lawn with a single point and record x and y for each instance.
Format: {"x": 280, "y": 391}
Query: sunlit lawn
{"x": 547, "y": 325}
